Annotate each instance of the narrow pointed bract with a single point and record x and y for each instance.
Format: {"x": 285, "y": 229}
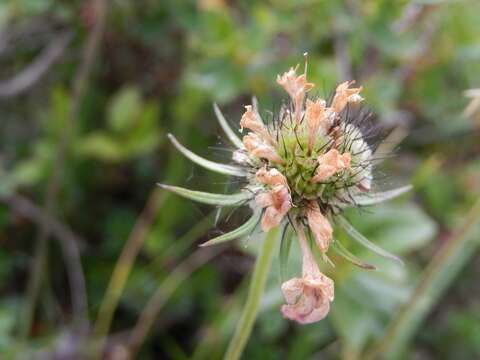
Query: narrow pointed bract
{"x": 377, "y": 198}
{"x": 239, "y": 232}
{"x": 209, "y": 198}
{"x": 207, "y": 164}
{"x": 364, "y": 241}
{"x": 234, "y": 139}
{"x": 345, "y": 253}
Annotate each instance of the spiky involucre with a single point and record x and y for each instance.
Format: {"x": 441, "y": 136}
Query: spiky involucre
{"x": 301, "y": 169}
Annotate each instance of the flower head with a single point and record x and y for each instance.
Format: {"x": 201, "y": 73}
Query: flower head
{"x": 301, "y": 169}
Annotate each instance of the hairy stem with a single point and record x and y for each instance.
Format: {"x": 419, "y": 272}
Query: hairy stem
{"x": 255, "y": 292}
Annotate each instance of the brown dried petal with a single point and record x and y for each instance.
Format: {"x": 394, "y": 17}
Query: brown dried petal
{"x": 320, "y": 226}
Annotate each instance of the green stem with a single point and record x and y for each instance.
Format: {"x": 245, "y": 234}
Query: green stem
{"x": 438, "y": 275}
{"x": 255, "y": 293}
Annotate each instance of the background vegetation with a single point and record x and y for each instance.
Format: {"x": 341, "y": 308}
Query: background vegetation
{"x": 88, "y": 92}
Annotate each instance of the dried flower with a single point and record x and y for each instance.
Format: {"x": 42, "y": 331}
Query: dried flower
{"x": 320, "y": 226}
{"x": 277, "y": 203}
{"x": 344, "y": 95}
{"x": 308, "y": 298}
{"x": 303, "y": 168}
{"x": 258, "y": 147}
{"x": 318, "y": 117}
{"x": 296, "y": 87}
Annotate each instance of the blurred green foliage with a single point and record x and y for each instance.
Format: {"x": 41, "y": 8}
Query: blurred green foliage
{"x": 159, "y": 67}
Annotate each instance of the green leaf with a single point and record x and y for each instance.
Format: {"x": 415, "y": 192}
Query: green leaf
{"x": 125, "y": 109}
{"x": 354, "y": 322}
{"x": 57, "y": 116}
{"x": 342, "y": 251}
{"x": 399, "y": 228}
{"x": 239, "y": 232}
{"x": 101, "y": 146}
{"x": 209, "y": 198}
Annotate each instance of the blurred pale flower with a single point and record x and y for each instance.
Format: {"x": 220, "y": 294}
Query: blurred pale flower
{"x": 474, "y": 104}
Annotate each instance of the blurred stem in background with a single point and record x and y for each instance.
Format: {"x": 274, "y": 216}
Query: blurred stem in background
{"x": 125, "y": 262}
{"x": 164, "y": 292}
{"x": 41, "y": 242}
{"x": 255, "y": 293}
{"x": 436, "y": 278}
{"x": 127, "y": 258}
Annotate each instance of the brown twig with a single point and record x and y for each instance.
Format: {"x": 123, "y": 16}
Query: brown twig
{"x": 39, "y": 67}
{"x": 68, "y": 240}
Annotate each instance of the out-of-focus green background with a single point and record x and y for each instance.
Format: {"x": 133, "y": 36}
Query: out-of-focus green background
{"x": 88, "y": 92}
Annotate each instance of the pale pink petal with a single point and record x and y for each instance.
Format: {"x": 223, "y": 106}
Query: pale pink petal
{"x": 277, "y": 202}
{"x": 320, "y": 226}
{"x": 315, "y": 114}
{"x": 292, "y": 289}
{"x": 258, "y": 148}
{"x": 365, "y": 185}
{"x": 250, "y": 121}
{"x": 264, "y": 199}
{"x": 306, "y": 312}
{"x": 240, "y": 157}
{"x": 321, "y": 281}
{"x": 330, "y": 163}
{"x": 296, "y": 87}
{"x": 271, "y": 218}
{"x": 345, "y": 95}
{"x": 270, "y": 177}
